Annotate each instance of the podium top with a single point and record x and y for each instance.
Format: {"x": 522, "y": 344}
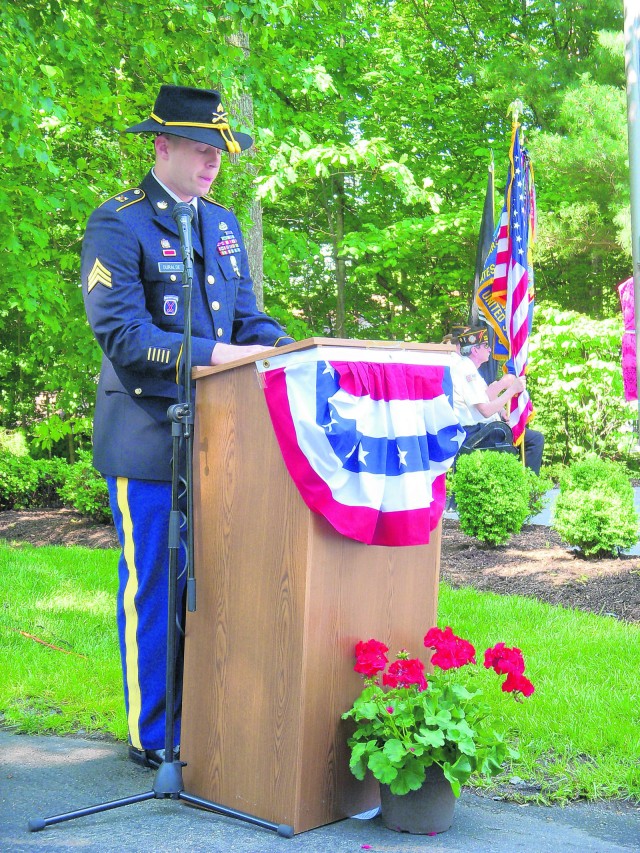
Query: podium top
{"x": 320, "y": 343}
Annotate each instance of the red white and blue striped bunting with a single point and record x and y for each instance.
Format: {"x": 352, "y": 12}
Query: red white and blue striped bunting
{"x": 367, "y": 442}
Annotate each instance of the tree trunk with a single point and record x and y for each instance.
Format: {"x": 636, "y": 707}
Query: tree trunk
{"x": 341, "y": 268}
{"x": 243, "y": 107}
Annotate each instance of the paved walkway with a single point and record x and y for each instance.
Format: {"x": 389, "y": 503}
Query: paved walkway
{"x": 45, "y": 776}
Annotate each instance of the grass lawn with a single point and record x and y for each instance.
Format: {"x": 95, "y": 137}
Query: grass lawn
{"x": 64, "y": 597}
{"x": 578, "y": 735}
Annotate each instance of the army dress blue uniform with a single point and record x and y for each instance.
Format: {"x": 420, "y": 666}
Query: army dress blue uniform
{"x": 132, "y": 287}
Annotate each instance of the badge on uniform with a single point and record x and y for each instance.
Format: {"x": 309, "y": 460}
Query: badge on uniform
{"x": 228, "y": 245}
{"x": 234, "y": 264}
{"x": 167, "y": 251}
{"x": 170, "y": 266}
{"x": 170, "y": 306}
{"x": 223, "y": 226}
{"x": 99, "y": 275}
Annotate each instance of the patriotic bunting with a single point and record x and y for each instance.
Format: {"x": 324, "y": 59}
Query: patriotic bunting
{"x": 368, "y": 443}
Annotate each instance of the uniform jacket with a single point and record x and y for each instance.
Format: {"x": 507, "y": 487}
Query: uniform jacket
{"x": 133, "y": 293}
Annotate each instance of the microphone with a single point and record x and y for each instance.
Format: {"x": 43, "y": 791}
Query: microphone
{"x": 182, "y": 215}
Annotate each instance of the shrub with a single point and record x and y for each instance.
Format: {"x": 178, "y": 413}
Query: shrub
{"x": 86, "y": 490}
{"x": 495, "y": 495}
{"x": 595, "y": 510}
{"x": 19, "y": 478}
{"x": 26, "y": 483}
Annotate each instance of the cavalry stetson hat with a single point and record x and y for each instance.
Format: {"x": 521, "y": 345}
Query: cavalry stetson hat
{"x": 195, "y": 114}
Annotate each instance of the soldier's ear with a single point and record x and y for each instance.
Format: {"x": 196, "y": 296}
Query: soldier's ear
{"x": 161, "y": 144}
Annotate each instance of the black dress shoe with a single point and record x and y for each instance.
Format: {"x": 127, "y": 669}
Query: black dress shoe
{"x": 152, "y": 758}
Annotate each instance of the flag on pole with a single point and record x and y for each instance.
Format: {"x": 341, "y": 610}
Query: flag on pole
{"x": 483, "y": 249}
{"x": 505, "y": 295}
{"x": 485, "y": 239}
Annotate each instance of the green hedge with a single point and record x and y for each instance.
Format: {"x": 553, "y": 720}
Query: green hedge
{"x": 27, "y": 483}
{"x": 86, "y": 490}
{"x": 595, "y": 509}
{"x": 495, "y": 495}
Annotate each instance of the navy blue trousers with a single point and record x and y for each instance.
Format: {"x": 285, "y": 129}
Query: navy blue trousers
{"x": 141, "y": 511}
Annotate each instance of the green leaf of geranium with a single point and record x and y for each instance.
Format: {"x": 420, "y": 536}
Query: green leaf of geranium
{"x": 466, "y": 745}
{"x": 366, "y": 710}
{"x": 394, "y": 750}
{"x": 427, "y": 737}
{"x": 458, "y": 773}
{"x": 357, "y": 751}
{"x": 382, "y": 768}
{"x": 410, "y": 778}
{"x": 456, "y": 786}
{"x": 460, "y": 730}
{"x": 440, "y": 719}
{"x": 358, "y": 767}
{"x": 462, "y": 692}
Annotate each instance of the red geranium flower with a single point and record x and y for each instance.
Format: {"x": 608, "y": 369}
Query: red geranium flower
{"x": 452, "y": 652}
{"x": 517, "y": 683}
{"x": 405, "y": 673}
{"x": 371, "y": 658}
{"x": 504, "y": 660}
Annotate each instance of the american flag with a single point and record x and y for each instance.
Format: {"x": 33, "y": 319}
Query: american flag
{"x": 512, "y": 283}
{"x": 367, "y": 441}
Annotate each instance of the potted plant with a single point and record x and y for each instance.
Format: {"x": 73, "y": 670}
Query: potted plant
{"x": 413, "y": 734}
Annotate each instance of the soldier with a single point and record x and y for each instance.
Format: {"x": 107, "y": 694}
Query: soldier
{"x": 132, "y": 286}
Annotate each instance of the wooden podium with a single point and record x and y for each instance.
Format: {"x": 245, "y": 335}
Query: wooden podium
{"x": 282, "y": 599}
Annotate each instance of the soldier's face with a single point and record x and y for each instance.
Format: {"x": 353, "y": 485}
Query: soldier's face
{"x": 188, "y": 168}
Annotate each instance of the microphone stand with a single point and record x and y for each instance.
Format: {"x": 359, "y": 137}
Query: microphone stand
{"x": 168, "y": 782}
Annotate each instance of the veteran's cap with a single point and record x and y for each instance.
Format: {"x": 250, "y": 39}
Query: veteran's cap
{"x": 452, "y": 336}
{"x": 473, "y": 337}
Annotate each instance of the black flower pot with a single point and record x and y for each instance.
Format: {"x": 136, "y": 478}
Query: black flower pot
{"x": 424, "y": 812}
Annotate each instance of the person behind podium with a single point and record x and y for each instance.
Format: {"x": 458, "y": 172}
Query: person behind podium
{"x": 132, "y": 288}
{"x": 476, "y": 403}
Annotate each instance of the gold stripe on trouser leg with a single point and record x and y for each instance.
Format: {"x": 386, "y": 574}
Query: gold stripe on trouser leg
{"x": 130, "y": 616}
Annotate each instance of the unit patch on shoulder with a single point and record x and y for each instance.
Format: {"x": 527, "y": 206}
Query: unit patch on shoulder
{"x": 99, "y": 275}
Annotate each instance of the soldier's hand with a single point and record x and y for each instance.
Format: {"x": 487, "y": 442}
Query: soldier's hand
{"x": 224, "y": 353}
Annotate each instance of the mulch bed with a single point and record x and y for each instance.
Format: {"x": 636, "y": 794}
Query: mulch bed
{"x": 537, "y": 563}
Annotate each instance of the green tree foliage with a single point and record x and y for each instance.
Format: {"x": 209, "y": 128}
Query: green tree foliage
{"x": 575, "y": 382}
{"x": 72, "y": 77}
{"x": 433, "y": 83}
{"x": 374, "y": 123}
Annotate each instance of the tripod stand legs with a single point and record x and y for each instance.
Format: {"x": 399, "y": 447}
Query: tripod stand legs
{"x": 167, "y": 785}
{"x": 38, "y": 823}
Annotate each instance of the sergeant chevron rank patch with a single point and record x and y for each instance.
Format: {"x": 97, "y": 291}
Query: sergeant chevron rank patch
{"x": 99, "y": 275}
